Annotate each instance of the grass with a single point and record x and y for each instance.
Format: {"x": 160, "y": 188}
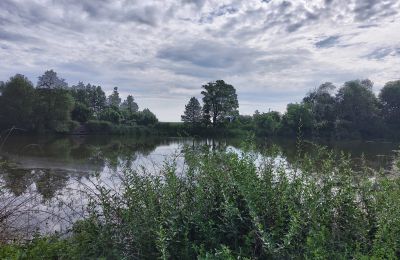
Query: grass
{"x": 225, "y": 205}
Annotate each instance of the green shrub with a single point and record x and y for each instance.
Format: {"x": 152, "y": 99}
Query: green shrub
{"x": 235, "y": 206}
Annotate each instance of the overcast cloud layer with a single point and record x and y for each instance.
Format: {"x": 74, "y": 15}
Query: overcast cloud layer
{"x": 273, "y": 52}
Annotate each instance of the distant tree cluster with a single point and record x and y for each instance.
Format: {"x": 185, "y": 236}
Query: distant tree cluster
{"x": 220, "y": 103}
{"x": 353, "y": 111}
{"x": 52, "y": 106}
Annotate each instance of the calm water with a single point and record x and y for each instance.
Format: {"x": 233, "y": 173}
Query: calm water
{"x": 46, "y": 179}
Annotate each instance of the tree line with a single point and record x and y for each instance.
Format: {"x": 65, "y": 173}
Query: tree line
{"x": 52, "y": 106}
{"x": 350, "y": 111}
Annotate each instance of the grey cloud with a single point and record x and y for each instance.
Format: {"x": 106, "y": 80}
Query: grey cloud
{"x": 365, "y": 10}
{"x": 209, "y": 59}
{"x": 381, "y": 53}
{"x": 208, "y": 54}
{"x": 328, "y": 42}
{"x": 16, "y": 37}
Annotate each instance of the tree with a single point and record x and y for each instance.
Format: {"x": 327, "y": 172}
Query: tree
{"x": 298, "y": 117}
{"x": 114, "y": 99}
{"x": 50, "y": 80}
{"x": 54, "y": 103}
{"x": 267, "y": 123}
{"x": 16, "y": 103}
{"x": 220, "y": 100}
{"x": 91, "y": 96}
{"x": 357, "y": 108}
{"x": 145, "y": 117}
{"x": 323, "y": 106}
{"x": 130, "y": 105}
{"x": 2, "y": 85}
{"x": 81, "y": 112}
{"x": 390, "y": 100}
{"x": 111, "y": 114}
{"x": 192, "y": 115}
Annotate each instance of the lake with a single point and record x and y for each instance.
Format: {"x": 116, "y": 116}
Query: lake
{"x": 44, "y": 181}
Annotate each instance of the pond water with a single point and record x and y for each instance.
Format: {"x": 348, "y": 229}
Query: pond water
{"x": 44, "y": 180}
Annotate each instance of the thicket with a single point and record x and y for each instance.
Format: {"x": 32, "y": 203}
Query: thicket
{"x": 225, "y": 205}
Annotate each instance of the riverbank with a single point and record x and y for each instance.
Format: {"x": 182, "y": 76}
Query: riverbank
{"x": 229, "y": 206}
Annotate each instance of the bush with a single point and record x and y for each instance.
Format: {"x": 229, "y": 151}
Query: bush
{"x": 99, "y": 127}
{"x": 236, "y": 206}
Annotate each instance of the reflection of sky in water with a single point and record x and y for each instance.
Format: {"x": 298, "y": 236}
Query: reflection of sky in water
{"x": 51, "y": 178}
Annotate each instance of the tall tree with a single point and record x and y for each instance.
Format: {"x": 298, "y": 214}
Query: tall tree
{"x": 192, "y": 115}
{"x": 220, "y": 100}
{"x": 16, "y": 103}
{"x": 390, "y": 99}
{"x": 50, "y": 80}
{"x": 298, "y": 117}
{"x": 323, "y": 106}
{"x": 130, "y": 105}
{"x": 54, "y": 103}
{"x": 98, "y": 100}
{"x": 357, "y": 108}
{"x": 114, "y": 99}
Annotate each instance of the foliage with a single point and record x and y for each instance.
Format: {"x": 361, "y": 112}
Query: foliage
{"x": 267, "y": 123}
{"x": 17, "y": 103}
{"x": 357, "y": 108}
{"x": 390, "y": 99}
{"x": 219, "y": 101}
{"x": 91, "y": 96}
{"x": 53, "y": 107}
{"x": 192, "y": 116}
{"x": 145, "y": 117}
{"x": 130, "y": 105}
{"x": 111, "y": 114}
{"x": 81, "y": 112}
{"x": 298, "y": 117}
{"x": 323, "y": 108}
{"x": 233, "y": 206}
{"x": 50, "y": 80}
{"x": 114, "y": 100}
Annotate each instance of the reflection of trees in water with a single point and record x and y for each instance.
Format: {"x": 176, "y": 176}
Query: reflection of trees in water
{"x": 57, "y": 159}
{"x": 16, "y": 180}
{"x": 47, "y": 181}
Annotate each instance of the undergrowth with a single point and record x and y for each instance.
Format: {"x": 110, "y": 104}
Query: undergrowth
{"x": 227, "y": 205}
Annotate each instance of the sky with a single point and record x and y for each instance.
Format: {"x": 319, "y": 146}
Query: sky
{"x": 273, "y": 52}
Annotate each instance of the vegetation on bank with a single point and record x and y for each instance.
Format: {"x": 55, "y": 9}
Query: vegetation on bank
{"x": 54, "y": 107}
{"x": 226, "y": 205}
{"x": 349, "y": 112}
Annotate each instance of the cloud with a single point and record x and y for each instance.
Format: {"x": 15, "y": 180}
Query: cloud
{"x": 273, "y": 52}
{"x": 328, "y": 42}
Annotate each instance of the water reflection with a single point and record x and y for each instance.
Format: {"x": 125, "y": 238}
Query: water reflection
{"x": 54, "y": 170}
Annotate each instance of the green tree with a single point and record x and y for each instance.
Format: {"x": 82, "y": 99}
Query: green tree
{"x": 192, "y": 115}
{"x": 357, "y": 109}
{"x": 98, "y": 100}
{"x": 130, "y": 105}
{"x": 323, "y": 108}
{"x": 50, "y": 80}
{"x": 81, "y": 112}
{"x": 91, "y": 96}
{"x": 298, "y": 117}
{"x": 114, "y": 99}
{"x": 390, "y": 99}
{"x": 111, "y": 114}
{"x": 145, "y": 117}
{"x": 54, "y": 104}
{"x": 16, "y": 103}
{"x": 220, "y": 100}
{"x": 267, "y": 123}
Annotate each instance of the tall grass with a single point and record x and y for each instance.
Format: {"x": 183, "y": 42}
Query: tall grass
{"x": 225, "y": 205}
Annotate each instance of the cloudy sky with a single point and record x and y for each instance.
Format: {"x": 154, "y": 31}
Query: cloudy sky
{"x": 272, "y": 51}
